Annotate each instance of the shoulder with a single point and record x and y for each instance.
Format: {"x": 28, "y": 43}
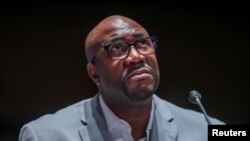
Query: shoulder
{"x": 191, "y": 124}
{"x": 63, "y": 115}
{"x": 183, "y": 114}
{"x": 66, "y": 120}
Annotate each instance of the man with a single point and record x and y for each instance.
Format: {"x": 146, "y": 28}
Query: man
{"x": 123, "y": 65}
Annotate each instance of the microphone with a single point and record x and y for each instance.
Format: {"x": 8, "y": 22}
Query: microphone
{"x": 194, "y": 97}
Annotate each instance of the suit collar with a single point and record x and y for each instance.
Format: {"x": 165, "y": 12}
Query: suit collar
{"x": 163, "y": 126}
{"x": 162, "y": 110}
{"x": 95, "y": 127}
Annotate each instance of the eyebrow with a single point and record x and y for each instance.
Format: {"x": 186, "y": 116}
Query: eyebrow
{"x": 115, "y": 38}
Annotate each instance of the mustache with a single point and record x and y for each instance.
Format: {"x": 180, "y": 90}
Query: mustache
{"x": 137, "y": 68}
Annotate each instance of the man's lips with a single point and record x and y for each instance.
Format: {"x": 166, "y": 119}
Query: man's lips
{"x": 139, "y": 73}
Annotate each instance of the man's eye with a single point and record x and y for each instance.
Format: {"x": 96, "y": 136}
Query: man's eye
{"x": 144, "y": 42}
{"x": 118, "y": 47}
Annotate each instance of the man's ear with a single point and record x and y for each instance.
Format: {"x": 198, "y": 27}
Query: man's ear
{"x": 93, "y": 74}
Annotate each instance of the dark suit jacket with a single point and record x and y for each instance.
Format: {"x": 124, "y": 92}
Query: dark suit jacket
{"x": 84, "y": 121}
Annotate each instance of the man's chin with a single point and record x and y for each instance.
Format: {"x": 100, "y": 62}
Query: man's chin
{"x": 139, "y": 95}
{"x": 138, "y": 91}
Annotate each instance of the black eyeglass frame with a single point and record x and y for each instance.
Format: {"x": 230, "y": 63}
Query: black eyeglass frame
{"x": 130, "y": 45}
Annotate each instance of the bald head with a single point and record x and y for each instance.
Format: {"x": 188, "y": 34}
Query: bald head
{"x": 108, "y": 28}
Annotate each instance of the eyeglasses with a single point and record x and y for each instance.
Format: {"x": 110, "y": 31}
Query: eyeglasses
{"x": 120, "y": 50}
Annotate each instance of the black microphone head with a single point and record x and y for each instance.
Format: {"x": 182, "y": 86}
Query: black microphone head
{"x": 193, "y": 95}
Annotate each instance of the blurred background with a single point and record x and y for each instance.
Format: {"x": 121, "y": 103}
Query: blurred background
{"x": 202, "y": 46}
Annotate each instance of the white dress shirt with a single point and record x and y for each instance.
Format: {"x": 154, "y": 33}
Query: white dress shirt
{"x": 120, "y": 129}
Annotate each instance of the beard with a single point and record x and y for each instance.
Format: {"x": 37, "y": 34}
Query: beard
{"x": 141, "y": 90}
{"x": 138, "y": 94}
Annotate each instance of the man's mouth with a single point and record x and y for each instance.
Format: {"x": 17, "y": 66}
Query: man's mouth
{"x": 138, "y": 74}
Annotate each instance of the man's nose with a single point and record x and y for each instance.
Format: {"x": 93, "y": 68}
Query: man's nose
{"x": 134, "y": 56}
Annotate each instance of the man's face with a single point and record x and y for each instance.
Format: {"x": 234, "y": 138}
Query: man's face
{"x": 135, "y": 77}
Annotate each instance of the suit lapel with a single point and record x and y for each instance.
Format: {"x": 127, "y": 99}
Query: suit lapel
{"x": 163, "y": 129}
{"x": 95, "y": 128}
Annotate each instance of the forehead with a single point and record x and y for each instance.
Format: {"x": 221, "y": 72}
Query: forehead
{"x": 121, "y": 29}
{"x": 112, "y": 29}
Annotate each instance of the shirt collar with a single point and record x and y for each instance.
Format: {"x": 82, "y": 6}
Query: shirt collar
{"x": 110, "y": 117}
{"x": 112, "y": 120}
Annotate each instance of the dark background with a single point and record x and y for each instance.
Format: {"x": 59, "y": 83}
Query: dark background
{"x": 202, "y": 46}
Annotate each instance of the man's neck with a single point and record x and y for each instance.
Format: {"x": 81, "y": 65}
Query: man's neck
{"x": 137, "y": 116}
{"x": 136, "y": 113}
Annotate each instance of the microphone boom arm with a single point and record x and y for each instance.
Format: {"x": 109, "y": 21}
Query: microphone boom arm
{"x": 203, "y": 110}
{"x": 194, "y": 97}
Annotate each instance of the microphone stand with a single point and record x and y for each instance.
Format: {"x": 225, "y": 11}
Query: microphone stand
{"x": 194, "y": 97}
